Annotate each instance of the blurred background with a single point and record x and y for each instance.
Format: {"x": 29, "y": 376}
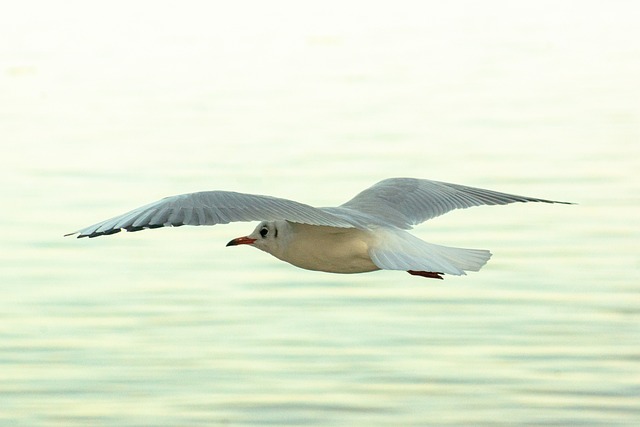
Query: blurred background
{"x": 108, "y": 106}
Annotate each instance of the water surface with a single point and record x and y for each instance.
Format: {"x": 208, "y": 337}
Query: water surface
{"x": 103, "y": 112}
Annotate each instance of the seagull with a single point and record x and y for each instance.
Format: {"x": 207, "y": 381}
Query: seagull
{"x": 367, "y": 233}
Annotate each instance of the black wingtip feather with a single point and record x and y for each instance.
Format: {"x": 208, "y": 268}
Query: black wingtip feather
{"x": 130, "y": 229}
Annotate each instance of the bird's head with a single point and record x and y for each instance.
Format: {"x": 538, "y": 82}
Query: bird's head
{"x": 264, "y": 237}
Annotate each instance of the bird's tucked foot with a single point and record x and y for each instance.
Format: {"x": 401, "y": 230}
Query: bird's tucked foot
{"x": 429, "y": 274}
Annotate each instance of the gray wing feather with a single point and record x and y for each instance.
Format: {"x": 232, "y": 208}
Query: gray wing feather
{"x": 394, "y": 202}
{"x": 215, "y": 207}
{"x": 405, "y": 202}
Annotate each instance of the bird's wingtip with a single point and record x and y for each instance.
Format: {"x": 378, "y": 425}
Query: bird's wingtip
{"x": 563, "y": 203}
{"x": 78, "y": 233}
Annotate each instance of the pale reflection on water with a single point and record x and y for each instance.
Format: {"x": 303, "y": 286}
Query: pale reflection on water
{"x": 169, "y": 327}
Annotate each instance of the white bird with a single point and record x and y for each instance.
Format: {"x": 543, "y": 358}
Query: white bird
{"x": 367, "y": 233}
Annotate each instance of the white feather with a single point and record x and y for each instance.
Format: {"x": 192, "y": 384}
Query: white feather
{"x": 399, "y": 250}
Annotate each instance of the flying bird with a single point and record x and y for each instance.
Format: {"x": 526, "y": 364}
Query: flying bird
{"x": 367, "y": 233}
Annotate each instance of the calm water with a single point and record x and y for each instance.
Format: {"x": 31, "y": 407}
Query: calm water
{"x": 105, "y": 110}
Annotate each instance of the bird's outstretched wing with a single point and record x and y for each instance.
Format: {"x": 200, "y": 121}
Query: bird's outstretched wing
{"x": 405, "y": 202}
{"x": 393, "y": 202}
{"x": 213, "y": 207}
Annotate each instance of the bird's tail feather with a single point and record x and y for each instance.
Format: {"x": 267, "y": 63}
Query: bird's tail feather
{"x": 399, "y": 250}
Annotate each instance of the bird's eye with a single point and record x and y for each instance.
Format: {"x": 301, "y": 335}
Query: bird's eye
{"x": 264, "y": 231}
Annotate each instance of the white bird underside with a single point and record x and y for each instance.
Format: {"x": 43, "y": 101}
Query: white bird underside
{"x": 366, "y": 233}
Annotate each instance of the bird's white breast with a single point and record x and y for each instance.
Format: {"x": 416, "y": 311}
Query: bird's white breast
{"x": 331, "y": 249}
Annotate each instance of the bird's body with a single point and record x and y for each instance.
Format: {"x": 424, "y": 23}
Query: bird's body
{"x": 367, "y": 233}
{"x": 323, "y": 248}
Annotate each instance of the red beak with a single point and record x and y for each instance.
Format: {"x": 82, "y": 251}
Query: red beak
{"x": 241, "y": 241}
